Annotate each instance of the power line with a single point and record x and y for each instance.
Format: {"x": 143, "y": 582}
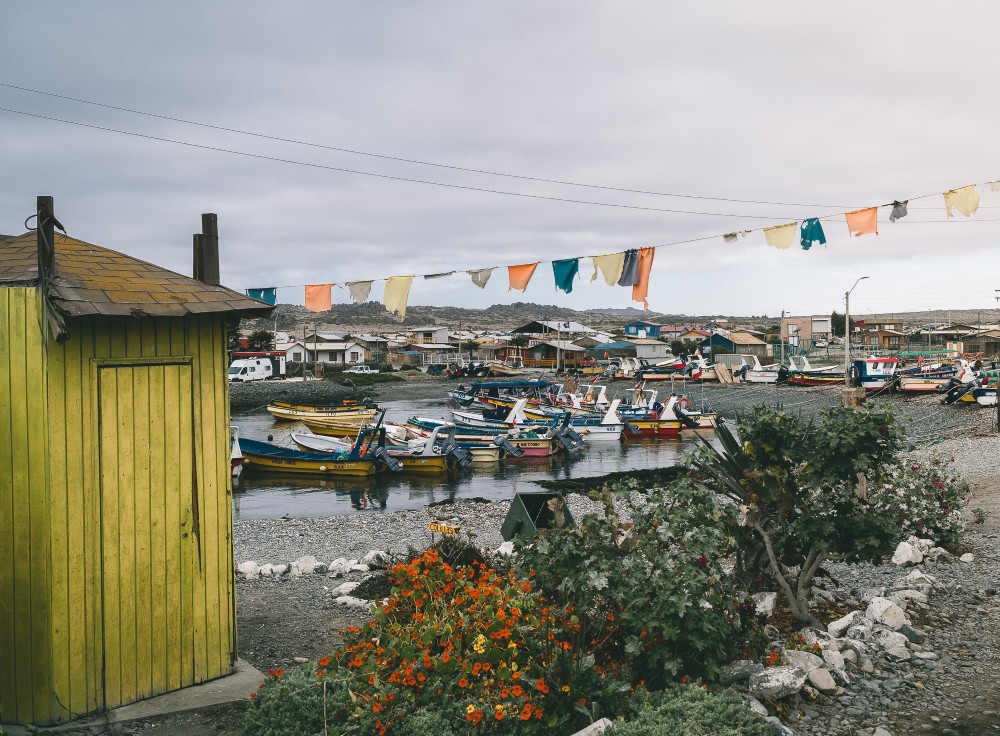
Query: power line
{"x": 452, "y": 167}
{"x": 383, "y": 176}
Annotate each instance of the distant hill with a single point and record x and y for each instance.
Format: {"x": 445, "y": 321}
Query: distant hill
{"x": 372, "y": 317}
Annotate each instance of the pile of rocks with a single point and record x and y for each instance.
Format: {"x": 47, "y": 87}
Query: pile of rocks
{"x": 309, "y": 565}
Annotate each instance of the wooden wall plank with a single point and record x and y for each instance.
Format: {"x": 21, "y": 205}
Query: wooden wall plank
{"x": 110, "y": 568}
{"x": 142, "y": 428}
{"x": 208, "y": 439}
{"x": 159, "y": 572}
{"x": 8, "y": 661}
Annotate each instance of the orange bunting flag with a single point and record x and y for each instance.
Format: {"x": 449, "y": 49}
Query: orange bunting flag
{"x": 520, "y": 275}
{"x": 863, "y": 221}
{"x": 318, "y": 297}
{"x": 641, "y": 289}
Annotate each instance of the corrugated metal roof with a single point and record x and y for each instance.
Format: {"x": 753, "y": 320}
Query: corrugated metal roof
{"x": 89, "y": 280}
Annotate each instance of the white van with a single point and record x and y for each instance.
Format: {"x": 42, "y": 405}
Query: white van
{"x": 250, "y": 369}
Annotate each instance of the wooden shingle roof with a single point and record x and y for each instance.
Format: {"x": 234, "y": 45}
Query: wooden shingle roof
{"x": 89, "y": 279}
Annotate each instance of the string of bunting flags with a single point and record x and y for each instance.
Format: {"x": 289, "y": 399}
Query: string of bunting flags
{"x": 632, "y": 267}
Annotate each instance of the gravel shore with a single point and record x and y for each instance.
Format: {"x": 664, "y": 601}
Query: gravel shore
{"x": 281, "y": 618}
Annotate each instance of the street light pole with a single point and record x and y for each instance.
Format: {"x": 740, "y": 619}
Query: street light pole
{"x": 847, "y": 333}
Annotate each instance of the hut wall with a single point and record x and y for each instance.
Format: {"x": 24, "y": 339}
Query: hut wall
{"x": 132, "y": 592}
{"x": 25, "y": 642}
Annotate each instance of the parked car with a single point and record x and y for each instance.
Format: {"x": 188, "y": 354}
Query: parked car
{"x": 361, "y": 369}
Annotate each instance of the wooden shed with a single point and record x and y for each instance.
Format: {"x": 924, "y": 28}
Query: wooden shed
{"x": 116, "y": 558}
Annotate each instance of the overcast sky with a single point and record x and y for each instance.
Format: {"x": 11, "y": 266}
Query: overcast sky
{"x": 834, "y": 105}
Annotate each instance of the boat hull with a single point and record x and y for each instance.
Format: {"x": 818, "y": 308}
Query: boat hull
{"x": 921, "y": 385}
{"x": 263, "y": 463}
{"x": 819, "y": 379}
{"x": 291, "y": 414}
{"x": 637, "y": 428}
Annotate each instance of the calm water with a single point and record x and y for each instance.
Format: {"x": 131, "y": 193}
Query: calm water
{"x": 269, "y": 496}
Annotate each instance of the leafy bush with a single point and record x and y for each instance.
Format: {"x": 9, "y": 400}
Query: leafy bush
{"x": 692, "y": 711}
{"x": 923, "y": 499}
{"x": 648, "y": 597}
{"x": 802, "y": 492}
{"x": 292, "y": 703}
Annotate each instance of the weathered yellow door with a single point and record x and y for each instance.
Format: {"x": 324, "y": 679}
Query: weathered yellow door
{"x": 149, "y": 545}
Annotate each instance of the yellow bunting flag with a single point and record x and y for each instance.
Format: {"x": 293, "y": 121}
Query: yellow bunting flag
{"x": 610, "y": 266}
{"x": 397, "y": 291}
{"x": 965, "y": 200}
{"x": 781, "y": 236}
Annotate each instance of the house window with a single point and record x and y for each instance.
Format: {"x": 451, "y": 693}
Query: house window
{"x": 355, "y": 357}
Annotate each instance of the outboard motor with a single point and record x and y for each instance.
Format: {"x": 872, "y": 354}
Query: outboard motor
{"x": 783, "y": 375}
{"x": 958, "y": 392}
{"x": 383, "y": 456}
{"x": 512, "y": 449}
{"x": 686, "y": 419}
{"x": 568, "y": 438}
{"x": 742, "y": 372}
{"x": 461, "y": 455}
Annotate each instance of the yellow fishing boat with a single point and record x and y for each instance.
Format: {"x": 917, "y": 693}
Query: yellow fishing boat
{"x": 352, "y": 413}
{"x": 265, "y": 457}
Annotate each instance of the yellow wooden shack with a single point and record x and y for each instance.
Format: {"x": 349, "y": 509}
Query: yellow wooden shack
{"x": 116, "y": 557}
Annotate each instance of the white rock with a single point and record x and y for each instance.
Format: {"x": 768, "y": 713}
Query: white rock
{"x": 376, "y": 559}
{"x": 250, "y": 570}
{"x": 598, "y": 726}
{"x": 340, "y": 566}
{"x": 891, "y": 639}
{"x": 777, "y": 682}
{"x": 822, "y": 680}
{"x": 937, "y": 553}
{"x": 803, "y": 660}
{"x": 850, "y": 656}
{"x": 833, "y": 659}
{"x": 838, "y": 627}
{"x": 279, "y": 569}
{"x": 358, "y": 567}
{"x": 346, "y": 588}
{"x": 348, "y": 600}
{"x": 912, "y": 595}
{"x": 919, "y": 578}
{"x": 967, "y": 557}
{"x": 882, "y": 732}
{"x": 757, "y": 707}
{"x": 305, "y": 565}
{"x": 300, "y": 660}
{"x": 907, "y": 554}
{"x": 266, "y": 570}
{"x": 885, "y": 612}
{"x": 778, "y": 727}
{"x": 764, "y": 603}
{"x": 506, "y": 549}
{"x": 924, "y": 545}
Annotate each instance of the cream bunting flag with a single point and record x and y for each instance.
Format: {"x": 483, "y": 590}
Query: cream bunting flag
{"x": 964, "y": 199}
{"x": 781, "y": 236}
{"x": 397, "y": 291}
{"x": 359, "y": 290}
{"x": 480, "y": 276}
{"x": 609, "y": 266}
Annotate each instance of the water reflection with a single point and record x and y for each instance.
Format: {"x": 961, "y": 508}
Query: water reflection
{"x": 268, "y": 496}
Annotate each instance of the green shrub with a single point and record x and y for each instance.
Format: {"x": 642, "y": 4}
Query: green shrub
{"x": 292, "y": 704}
{"x": 692, "y": 711}
{"x": 649, "y": 596}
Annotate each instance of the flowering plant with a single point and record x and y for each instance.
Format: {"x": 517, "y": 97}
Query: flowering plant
{"x": 923, "y": 498}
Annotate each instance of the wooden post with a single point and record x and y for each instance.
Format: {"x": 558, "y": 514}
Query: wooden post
{"x": 210, "y": 249}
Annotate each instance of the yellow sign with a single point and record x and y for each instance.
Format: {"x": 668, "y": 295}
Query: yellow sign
{"x": 443, "y": 528}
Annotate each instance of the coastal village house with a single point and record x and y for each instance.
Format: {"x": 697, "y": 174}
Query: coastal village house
{"x": 642, "y": 329}
{"x": 806, "y": 332}
{"x": 735, "y": 342}
{"x": 116, "y": 557}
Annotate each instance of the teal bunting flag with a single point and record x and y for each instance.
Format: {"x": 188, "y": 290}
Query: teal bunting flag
{"x": 269, "y": 295}
{"x": 565, "y": 271}
{"x": 812, "y": 231}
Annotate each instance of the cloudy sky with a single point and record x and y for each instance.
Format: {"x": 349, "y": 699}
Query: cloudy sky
{"x": 813, "y": 108}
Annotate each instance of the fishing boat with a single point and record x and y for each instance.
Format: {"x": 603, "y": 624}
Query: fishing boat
{"x": 363, "y": 459}
{"x": 235, "y": 453}
{"x": 874, "y": 374}
{"x": 526, "y": 442}
{"x": 606, "y": 427}
{"x": 754, "y": 372}
{"x": 353, "y": 412}
{"x": 925, "y": 378}
{"x": 422, "y": 457}
{"x": 985, "y": 396}
{"x": 811, "y": 378}
{"x": 646, "y": 407}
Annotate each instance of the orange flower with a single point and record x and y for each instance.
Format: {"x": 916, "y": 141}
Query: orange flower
{"x": 517, "y": 690}
{"x": 526, "y": 711}
{"x": 463, "y": 682}
{"x": 540, "y": 684}
{"x": 278, "y": 672}
{"x": 320, "y": 672}
{"x": 253, "y": 695}
{"x": 376, "y": 708}
{"x": 324, "y": 661}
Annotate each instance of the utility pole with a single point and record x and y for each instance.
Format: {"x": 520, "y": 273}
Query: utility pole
{"x": 847, "y": 333}
{"x": 781, "y": 339}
